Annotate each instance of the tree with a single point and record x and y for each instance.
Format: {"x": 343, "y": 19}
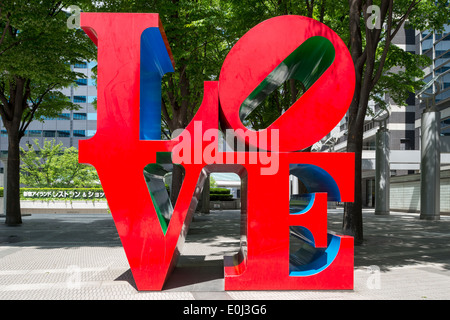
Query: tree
{"x": 36, "y": 51}
{"x": 53, "y": 166}
{"x": 374, "y": 55}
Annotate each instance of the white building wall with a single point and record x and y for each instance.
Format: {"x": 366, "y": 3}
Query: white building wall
{"x": 405, "y": 192}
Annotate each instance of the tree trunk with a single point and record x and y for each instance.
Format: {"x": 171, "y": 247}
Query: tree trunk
{"x": 352, "y": 221}
{"x": 179, "y": 120}
{"x": 177, "y": 181}
{"x": 13, "y": 214}
{"x": 18, "y": 98}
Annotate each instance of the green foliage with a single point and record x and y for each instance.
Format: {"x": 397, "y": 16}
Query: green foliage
{"x": 212, "y": 182}
{"x": 219, "y": 191}
{"x": 52, "y": 165}
{"x": 36, "y": 53}
{"x": 221, "y": 197}
{"x": 38, "y": 48}
{"x": 402, "y": 77}
{"x": 220, "y": 194}
{"x": 402, "y": 70}
{"x": 429, "y": 15}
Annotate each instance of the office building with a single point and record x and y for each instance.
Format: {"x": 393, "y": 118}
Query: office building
{"x": 70, "y": 126}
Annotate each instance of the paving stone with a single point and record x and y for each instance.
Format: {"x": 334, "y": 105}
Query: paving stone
{"x": 79, "y": 256}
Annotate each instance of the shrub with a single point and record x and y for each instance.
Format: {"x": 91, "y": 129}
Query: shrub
{"x": 219, "y": 191}
{"x": 220, "y": 194}
{"x": 221, "y": 197}
{"x": 53, "y": 166}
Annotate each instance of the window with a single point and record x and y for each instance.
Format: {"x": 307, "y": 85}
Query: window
{"x": 427, "y": 44}
{"x": 411, "y": 100}
{"x": 443, "y": 45}
{"x": 369, "y": 145}
{"x": 445, "y": 132}
{"x": 92, "y": 116}
{"x": 442, "y": 54}
{"x": 410, "y": 36}
{"x": 64, "y": 116}
{"x": 426, "y": 80}
{"x": 81, "y": 82}
{"x": 34, "y": 133}
{"x": 49, "y": 133}
{"x": 91, "y": 133}
{"x": 370, "y": 125}
{"x": 442, "y": 69}
{"x": 443, "y": 96}
{"x": 63, "y": 133}
{"x": 81, "y": 65}
{"x": 445, "y": 127}
{"x": 79, "y": 116}
{"x": 79, "y": 133}
{"x": 425, "y": 33}
{"x": 4, "y": 133}
{"x": 79, "y": 99}
{"x": 405, "y": 144}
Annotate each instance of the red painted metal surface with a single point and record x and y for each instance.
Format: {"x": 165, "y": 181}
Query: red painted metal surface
{"x": 259, "y": 52}
{"x": 119, "y": 155}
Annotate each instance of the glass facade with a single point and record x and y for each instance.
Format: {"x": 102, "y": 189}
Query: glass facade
{"x": 437, "y": 47}
{"x": 79, "y": 99}
{"x": 63, "y": 133}
{"x": 81, "y": 82}
{"x": 79, "y": 116}
{"x": 445, "y": 127}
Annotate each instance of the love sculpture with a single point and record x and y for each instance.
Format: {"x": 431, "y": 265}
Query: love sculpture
{"x": 131, "y": 160}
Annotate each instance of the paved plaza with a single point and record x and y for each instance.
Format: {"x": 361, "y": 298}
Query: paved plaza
{"x": 80, "y": 256}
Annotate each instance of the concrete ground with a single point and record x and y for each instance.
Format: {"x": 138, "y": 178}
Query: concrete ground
{"x": 79, "y": 256}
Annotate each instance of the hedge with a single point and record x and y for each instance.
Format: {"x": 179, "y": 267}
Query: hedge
{"x": 221, "y": 197}
{"x": 220, "y": 194}
{"x": 219, "y": 191}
